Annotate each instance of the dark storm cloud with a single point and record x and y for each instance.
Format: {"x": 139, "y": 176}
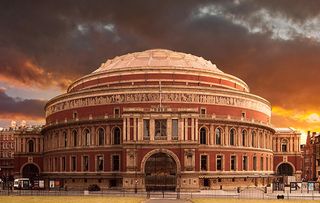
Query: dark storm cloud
{"x": 72, "y": 38}
{"x": 20, "y": 108}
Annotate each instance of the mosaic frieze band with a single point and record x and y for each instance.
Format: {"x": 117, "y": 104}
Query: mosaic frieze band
{"x": 155, "y": 97}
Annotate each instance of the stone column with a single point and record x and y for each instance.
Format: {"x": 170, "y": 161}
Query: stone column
{"x": 296, "y": 146}
{"x": 128, "y": 129}
{"x": 124, "y": 131}
{"x": 249, "y": 138}
{"x": 239, "y": 137}
{"x": 152, "y": 130}
{"x": 135, "y": 129}
{"x": 41, "y": 145}
{"x": 211, "y": 134}
{"x": 37, "y": 144}
{"x": 185, "y": 129}
{"x": 108, "y": 134}
{"x": 93, "y": 136}
{"x": 196, "y": 132}
{"x": 278, "y": 143}
{"x": 192, "y": 128}
{"x": 80, "y": 137}
{"x": 18, "y": 144}
{"x": 226, "y": 135}
{"x": 169, "y": 129}
{"x": 140, "y": 129}
{"x": 181, "y": 128}
{"x": 24, "y": 145}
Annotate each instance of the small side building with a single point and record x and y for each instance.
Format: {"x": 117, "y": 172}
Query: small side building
{"x": 28, "y": 153}
{"x": 287, "y": 155}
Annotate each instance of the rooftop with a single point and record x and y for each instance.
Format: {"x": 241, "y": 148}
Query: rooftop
{"x": 157, "y": 58}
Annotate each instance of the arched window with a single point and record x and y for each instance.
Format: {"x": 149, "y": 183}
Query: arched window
{"x": 31, "y": 146}
{"x": 65, "y": 138}
{"x": 218, "y": 136}
{"x": 244, "y": 137}
{"x": 100, "y": 136}
{"x": 86, "y": 137}
{"x": 75, "y": 138}
{"x": 232, "y": 134}
{"x": 116, "y": 135}
{"x": 253, "y": 143}
{"x": 284, "y": 145}
{"x": 203, "y": 136}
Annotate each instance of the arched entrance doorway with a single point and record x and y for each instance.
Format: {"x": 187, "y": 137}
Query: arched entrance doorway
{"x": 285, "y": 169}
{"x": 161, "y": 172}
{"x": 30, "y": 171}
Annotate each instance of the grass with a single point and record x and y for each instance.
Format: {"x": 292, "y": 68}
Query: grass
{"x": 208, "y": 200}
{"x": 68, "y": 199}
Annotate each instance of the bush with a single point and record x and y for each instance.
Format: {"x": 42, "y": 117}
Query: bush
{"x": 94, "y": 187}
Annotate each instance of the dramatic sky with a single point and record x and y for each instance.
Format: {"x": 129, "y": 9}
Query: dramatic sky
{"x": 273, "y": 45}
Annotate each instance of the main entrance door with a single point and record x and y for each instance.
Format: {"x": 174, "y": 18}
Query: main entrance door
{"x": 30, "y": 171}
{"x": 285, "y": 170}
{"x": 161, "y": 172}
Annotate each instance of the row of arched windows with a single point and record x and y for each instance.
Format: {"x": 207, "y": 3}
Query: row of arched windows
{"x": 86, "y": 138}
{"x": 116, "y": 137}
{"x": 232, "y": 137}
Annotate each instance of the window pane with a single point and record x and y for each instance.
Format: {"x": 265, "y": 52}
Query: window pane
{"x": 115, "y": 163}
{"x": 219, "y": 163}
{"x": 146, "y": 129}
{"x": 99, "y": 163}
{"x": 73, "y": 163}
{"x": 85, "y": 163}
{"x": 233, "y": 163}
{"x": 160, "y": 129}
{"x": 203, "y": 136}
{"x": 101, "y": 136}
{"x": 244, "y": 135}
{"x": 175, "y": 129}
{"x": 218, "y": 136}
{"x": 116, "y": 136}
{"x": 204, "y": 163}
{"x": 254, "y": 163}
{"x": 244, "y": 163}
{"x": 232, "y": 136}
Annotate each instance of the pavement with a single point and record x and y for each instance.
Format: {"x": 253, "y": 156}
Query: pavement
{"x": 166, "y": 201}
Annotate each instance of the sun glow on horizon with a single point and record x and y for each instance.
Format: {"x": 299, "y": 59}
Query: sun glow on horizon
{"x": 302, "y": 121}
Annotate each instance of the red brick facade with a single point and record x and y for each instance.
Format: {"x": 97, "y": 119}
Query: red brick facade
{"x": 154, "y": 116}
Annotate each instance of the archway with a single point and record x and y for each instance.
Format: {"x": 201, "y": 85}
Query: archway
{"x": 30, "y": 171}
{"x": 285, "y": 169}
{"x": 160, "y": 172}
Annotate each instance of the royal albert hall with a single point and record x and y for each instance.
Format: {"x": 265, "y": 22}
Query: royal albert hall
{"x": 155, "y": 120}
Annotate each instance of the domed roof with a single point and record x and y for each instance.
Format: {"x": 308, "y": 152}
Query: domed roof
{"x": 158, "y": 58}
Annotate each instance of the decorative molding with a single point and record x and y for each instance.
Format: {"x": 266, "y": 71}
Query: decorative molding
{"x": 155, "y": 97}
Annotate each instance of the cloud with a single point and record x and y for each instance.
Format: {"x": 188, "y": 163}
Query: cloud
{"x": 263, "y": 20}
{"x": 272, "y": 45}
{"x": 17, "y": 108}
{"x": 19, "y": 70}
{"x": 301, "y": 120}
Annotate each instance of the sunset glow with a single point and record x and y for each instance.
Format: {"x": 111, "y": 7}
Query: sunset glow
{"x": 273, "y": 46}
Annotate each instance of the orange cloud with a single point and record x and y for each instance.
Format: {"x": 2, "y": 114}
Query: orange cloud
{"x": 32, "y": 75}
{"x": 303, "y": 121}
{"x": 17, "y": 116}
